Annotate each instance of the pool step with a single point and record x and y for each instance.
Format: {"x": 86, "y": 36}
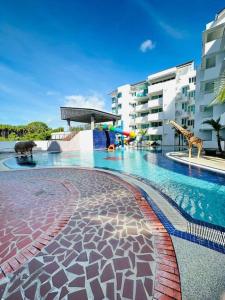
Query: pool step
{"x": 209, "y": 234}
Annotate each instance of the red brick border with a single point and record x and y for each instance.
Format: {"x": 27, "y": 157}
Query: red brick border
{"x": 167, "y": 277}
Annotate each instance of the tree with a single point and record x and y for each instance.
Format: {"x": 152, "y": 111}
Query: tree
{"x": 216, "y": 127}
{"x": 220, "y": 87}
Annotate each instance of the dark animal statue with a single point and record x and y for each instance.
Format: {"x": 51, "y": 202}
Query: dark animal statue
{"x": 24, "y": 147}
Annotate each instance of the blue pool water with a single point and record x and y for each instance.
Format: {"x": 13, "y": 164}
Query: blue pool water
{"x": 199, "y": 193}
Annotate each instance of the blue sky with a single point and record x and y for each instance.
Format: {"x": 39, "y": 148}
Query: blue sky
{"x": 74, "y": 52}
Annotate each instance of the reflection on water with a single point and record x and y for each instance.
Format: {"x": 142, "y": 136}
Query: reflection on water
{"x": 26, "y": 161}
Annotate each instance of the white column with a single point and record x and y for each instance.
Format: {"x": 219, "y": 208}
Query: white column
{"x": 92, "y": 123}
{"x": 68, "y": 123}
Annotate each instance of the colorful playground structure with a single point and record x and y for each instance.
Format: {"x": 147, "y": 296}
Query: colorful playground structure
{"x": 130, "y": 136}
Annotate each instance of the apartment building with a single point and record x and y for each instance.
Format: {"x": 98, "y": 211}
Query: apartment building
{"x": 149, "y": 104}
{"x": 208, "y": 76}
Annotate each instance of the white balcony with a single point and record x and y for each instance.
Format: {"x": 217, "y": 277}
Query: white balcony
{"x": 155, "y": 103}
{"x": 132, "y": 122}
{"x": 155, "y": 117}
{"x": 141, "y": 107}
{"x": 212, "y": 46}
{"x": 140, "y": 120}
{"x": 155, "y": 130}
{"x": 139, "y": 98}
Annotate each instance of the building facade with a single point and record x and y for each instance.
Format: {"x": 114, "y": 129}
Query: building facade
{"x": 208, "y": 76}
{"x": 149, "y": 104}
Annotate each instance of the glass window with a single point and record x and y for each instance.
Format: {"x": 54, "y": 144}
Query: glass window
{"x": 209, "y": 87}
{"x": 184, "y": 121}
{"x": 191, "y": 94}
{"x": 156, "y": 124}
{"x": 119, "y": 106}
{"x": 185, "y": 90}
{"x": 214, "y": 35}
{"x": 210, "y": 62}
{"x": 114, "y": 100}
{"x": 184, "y": 106}
{"x": 154, "y": 97}
{"x": 192, "y": 79}
{"x": 144, "y": 114}
{"x": 155, "y": 137}
{"x": 156, "y": 110}
{"x": 119, "y": 95}
{"x": 144, "y": 126}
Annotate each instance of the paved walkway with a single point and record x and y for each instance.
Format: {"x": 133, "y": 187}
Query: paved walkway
{"x": 81, "y": 234}
{"x": 204, "y": 161}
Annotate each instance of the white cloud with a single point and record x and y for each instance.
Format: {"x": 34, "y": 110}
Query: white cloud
{"x": 95, "y": 101}
{"x": 175, "y": 33}
{"x": 147, "y": 45}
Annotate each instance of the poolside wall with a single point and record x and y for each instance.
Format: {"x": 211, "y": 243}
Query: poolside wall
{"x": 82, "y": 141}
{"x": 99, "y": 139}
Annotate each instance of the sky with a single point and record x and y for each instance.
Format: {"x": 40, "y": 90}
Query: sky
{"x": 75, "y": 52}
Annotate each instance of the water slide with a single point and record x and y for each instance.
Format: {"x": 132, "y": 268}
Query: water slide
{"x": 130, "y": 135}
{"x": 117, "y": 130}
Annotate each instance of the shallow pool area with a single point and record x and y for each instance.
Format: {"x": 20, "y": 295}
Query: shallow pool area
{"x": 197, "y": 192}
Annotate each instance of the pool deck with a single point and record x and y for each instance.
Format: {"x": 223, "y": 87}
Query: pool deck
{"x": 96, "y": 237}
{"x": 216, "y": 164}
{"x": 71, "y": 233}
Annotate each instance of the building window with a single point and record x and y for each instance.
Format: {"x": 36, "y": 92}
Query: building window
{"x": 144, "y": 126}
{"x": 156, "y": 124}
{"x": 191, "y": 94}
{"x": 214, "y": 35}
{"x": 119, "y": 106}
{"x": 192, "y": 79}
{"x": 114, "y": 100}
{"x": 184, "y": 106}
{"x": 156, "y": 97}
{"x": 119, "y": 95}
{"x": 184, "y": 121}
{"x": 191, "y": 108}
{"x": 191, "y": 123}
{"x": 144, "y": 114}
{"x": 209, "y": 87}
{"x": 156, "y": 110}
{"x": 210, "y": 62}
{"x": 185, "y": 90}
{"x": 155, "y": 137}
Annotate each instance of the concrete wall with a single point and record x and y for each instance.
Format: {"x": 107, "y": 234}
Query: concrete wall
{"x": 82, "y": 141}
{"x": 9, "y": 146}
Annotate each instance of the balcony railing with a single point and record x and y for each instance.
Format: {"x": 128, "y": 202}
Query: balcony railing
{"x": 141, "y": 107}
{"x": 155, "y": 103}
{"x": 155, "y": 130}
{"x": 155, "y": 116}
{"x": 139, "y": 120}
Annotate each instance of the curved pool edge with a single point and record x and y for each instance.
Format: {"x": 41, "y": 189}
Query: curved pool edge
{"x": 174, "y": 220}
{"x": 198, "y": 165}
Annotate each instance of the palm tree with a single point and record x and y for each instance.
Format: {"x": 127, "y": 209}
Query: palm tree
{"x": 217, "y": 127}
{"x": 220, "y": 96}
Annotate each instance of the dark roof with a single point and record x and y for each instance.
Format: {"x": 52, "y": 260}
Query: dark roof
{"x": 83, "y": 115}
{"x": 185, "y": 64}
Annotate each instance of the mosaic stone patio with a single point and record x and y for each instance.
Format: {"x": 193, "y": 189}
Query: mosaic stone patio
{"x": 81, "y": 234}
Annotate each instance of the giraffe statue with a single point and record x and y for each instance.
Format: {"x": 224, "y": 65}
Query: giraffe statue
{"x": 192, "y": 140}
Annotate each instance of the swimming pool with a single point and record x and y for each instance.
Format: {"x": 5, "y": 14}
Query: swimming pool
{"x": 198, "y": 193}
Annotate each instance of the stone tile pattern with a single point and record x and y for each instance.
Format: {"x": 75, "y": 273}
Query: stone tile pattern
{"x": 32, "y": 212}
{"x": 113, "y": 247}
